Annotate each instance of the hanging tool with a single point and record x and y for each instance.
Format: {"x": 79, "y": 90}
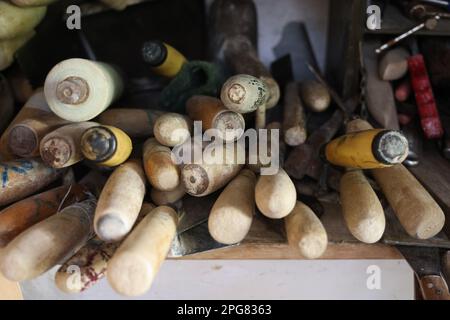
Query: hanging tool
{"x": 429, "y": 24}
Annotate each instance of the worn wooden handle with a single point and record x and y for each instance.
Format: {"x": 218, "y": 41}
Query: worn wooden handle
{"x": 48, "y": 242}
{"x": 61, "y": 147}
{"x": 88, "y": 266}
{"x": 135, "y": 264}
{"x": 162, "y": 173}
{"x": 220, "y": 164}
{"x": 79, "y": 89}
{"x": 362, "y": 210}
{"x": 172, "y": 129}
{"x": 305, "y": 232}
{"x": 232, "y": 214}
{"x": 294, "y": 121}
{"x": 434, "y": 287}
{"x": 24, "y": 177}
{"x": 275, "y": 195}
{"x": 137, "y": 123}
{"x": 24, "y": 137}
{"x": 120, "y": 201}
{"x": 23, "y": 214}
{"x": 414, "y": 207}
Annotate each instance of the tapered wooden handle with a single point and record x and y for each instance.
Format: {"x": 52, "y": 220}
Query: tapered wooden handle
{"x": 362, "y": 210}
{"x": 275, "y": 195}
{"x": 120, "y": 201}
{"x": 135, "y": 264}
{"x": 414, "y": 207}
{"x": 232, "y": 214}
{"x": 434, "y": 287}
{"x": 294, "y": 121}
{"x": 23, "y": 214}
{"x": 48, "y": 242}
{"x": 305, "y": 232}
{"x": 160, "y": 169}
{"x": 88, "y": 266}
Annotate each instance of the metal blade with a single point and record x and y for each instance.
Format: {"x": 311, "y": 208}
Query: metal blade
{"x": 194, "y": 240}
{"x": 195, "y": 210}
{"x": 424, "y": 261}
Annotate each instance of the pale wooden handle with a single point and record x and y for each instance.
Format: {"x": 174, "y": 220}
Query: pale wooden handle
{"x": 294, "y": 129}
{"x": 275, "y": 195}
{"x": 232, "y": 214}
{"x": 120, "y": 201}
{"x": 305, "y": 232}
{"x": 416, "y": 210}
{"x": 361, "y": 207}
{"x": 133, "y": 267}
{"x": 48, "y": 242}
{"x": 434, "y": 287}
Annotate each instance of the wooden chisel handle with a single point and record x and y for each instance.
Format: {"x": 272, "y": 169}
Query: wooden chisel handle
{"x": 434, "y": 287}
{"x": 133, "y": 267}
{"x": 49, "y": 242}
{"x": 414, "y": 207}
{"x": 305, "y": 232}
{"x": 362, "y": 211}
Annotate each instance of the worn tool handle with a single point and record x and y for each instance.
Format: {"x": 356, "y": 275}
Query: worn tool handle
{"x": 434, "y": 287}
{"x": 137, "y": 123}
{"x": 79, "y": 90}
{"x": 305, "y": 232}
{"x": 48, "y": 242}
{"x": 275, "y": 195}
{"x": 361, "y": 208}
{"x": 294, "y": 119}
{"x": 232, "y": 214}
{"x": 414, "y": 207}
{"x": 120, "y": 201}
{"x": 23, "y": 214}
{"x": 133, "y": 267}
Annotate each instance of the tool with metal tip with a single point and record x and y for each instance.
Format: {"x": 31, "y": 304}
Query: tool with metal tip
{"x": 429, "y": 24}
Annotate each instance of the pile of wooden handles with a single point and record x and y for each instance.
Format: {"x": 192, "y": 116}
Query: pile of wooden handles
{"x": 109, "y": 225}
